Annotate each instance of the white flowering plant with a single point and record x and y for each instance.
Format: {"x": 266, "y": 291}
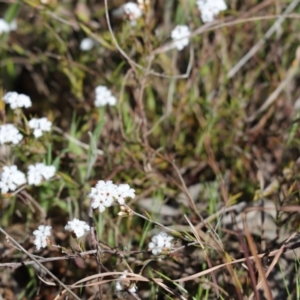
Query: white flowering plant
{"x": 147, "y": 148}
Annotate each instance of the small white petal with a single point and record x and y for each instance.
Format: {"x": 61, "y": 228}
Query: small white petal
{"x": 180, "y": 36}
{"x": 9, "y": 134}
{"x": 159, "y": 242}
{"x": 39, "y": 126}
{"x": 4, "y": 26}
{"x": 87, "y": 44}
{"x": 210, "y": 9}
{"x": 11, "y": 178}
{"x": 16, "y": 100}
{"x": 78, "y": 227}
{"x": 41, "y": 236}
{"x": 103, "y": 96}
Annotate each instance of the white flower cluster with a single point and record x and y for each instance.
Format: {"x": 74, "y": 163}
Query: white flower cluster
{"x": 11, "y": 178}
{"x": 78, "y": 227}
{"x": 41, "y": 236}
{"x": 105, "y": 193}
{"x": 180, "y": 35}
{"x": 87, "y": 44}
{"x": 38, "y": 172}
{"x": 159, "y": 242}
{"x": 43, "y": 232}
{"x": 16, "y": 100}
{"x": 104, "y": 96}
{"x": 210, "y": 8}
{"x": 124, "y": 284}
{"x": 7, "y": 27}
{"x": 130, "y": 11}
{"x": 10, "y": 134}
{"x": 39, "y": 125}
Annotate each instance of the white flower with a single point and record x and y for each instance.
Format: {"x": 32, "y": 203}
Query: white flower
{"x": 4, "y": 26}
{"x": 16, "y": 100}
{"x": 7, "y": 27}
{"x": 105, "y": 192}
{"x": 41, "y": 236}
{"x": 122, "y": 285}
{"x": 11, "y": 178}
{"x": 102, "y": 195}
{"x": 180, "y": 35}
{"x": 36, "y": 173}
{"x": 210, "y": 8}
{"x": 124, "y": 191}
{"x": 130, "y": 11}
{"x": 159, "y": 242}
{"x": 78, "y": 227}
{"x": 87, "y": 44}
{"x": 9, "y": 134}
{"x": 39, "y": 125}
{"x": 104, "y": 96}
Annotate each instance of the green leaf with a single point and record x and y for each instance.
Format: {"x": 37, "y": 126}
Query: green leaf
{"x": 12, "y": 12}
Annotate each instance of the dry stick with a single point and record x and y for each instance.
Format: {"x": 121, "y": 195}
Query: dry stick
{"x": 130, "y": 61}
{"x": 275, "y": 260}
{"x": 257, "y": 260}
{"x": 250, "y": 266}
{"x": 286, "y": 248}
{"x": 40, "y": 265}
{"x": 261, "y": 42}
{"x": 80, "y": 254}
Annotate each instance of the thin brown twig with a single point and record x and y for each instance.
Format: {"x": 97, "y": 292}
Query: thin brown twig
{"x": 133, "y": 64}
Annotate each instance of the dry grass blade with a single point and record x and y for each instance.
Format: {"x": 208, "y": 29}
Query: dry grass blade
{"x": 241, "y": 260}
{"x": 262, "y": 41}
{"x": 272, "y": 265}
{"x": 257, "y": 260}
{"x": 205, "y": 253}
